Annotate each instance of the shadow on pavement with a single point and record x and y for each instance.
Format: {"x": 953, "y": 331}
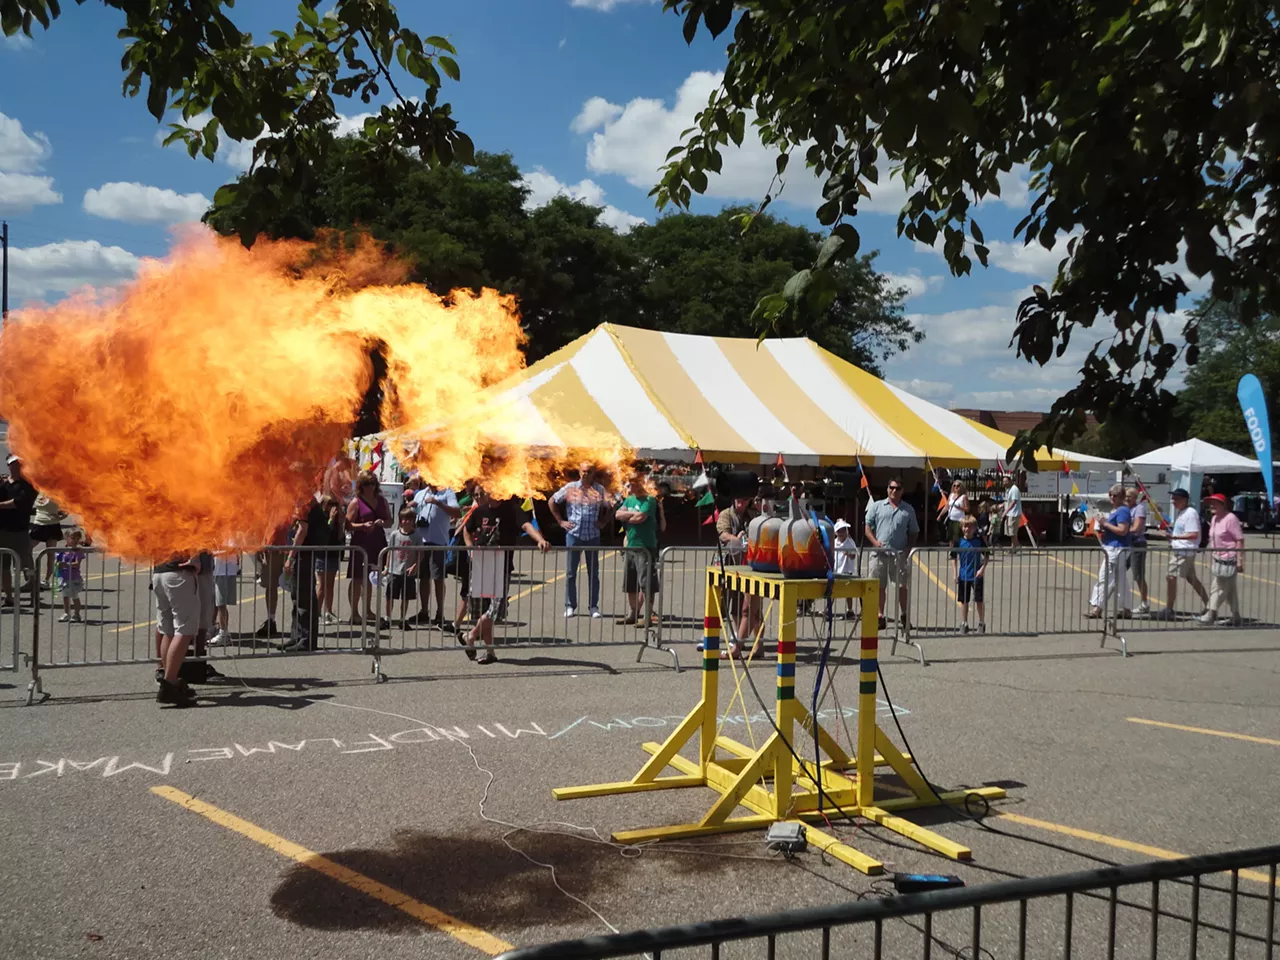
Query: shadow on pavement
{"x": 478, "y": 880}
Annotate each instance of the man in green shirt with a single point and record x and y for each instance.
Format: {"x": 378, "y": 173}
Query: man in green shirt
{"x": 639, "y": 515}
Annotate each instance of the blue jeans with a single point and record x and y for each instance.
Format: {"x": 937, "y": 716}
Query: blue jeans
{"x": 593, "y": 570}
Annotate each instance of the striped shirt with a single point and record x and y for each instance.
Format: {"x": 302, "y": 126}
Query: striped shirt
{"x": 583, "y": 506}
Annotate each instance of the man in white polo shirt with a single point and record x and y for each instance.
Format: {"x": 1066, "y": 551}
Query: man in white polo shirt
{"x": 1184, "y": 543}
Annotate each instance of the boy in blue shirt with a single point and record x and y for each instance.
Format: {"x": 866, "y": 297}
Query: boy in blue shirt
{"x": 969, "y": 563}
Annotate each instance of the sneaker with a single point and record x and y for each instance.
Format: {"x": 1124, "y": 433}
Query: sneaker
{"x": 76, "y": 618}
{"x": 218, "y": 638}
{"x": 982, "y": 627}
{"x": 267, "y": 630}
{"x": 65, "y": 618}
{"x": 489, "y": 657}
{"x": 297, "y": 646}
{"x": 1207, "y": 617}
{"x": 570, "y": 612}
{"x": 881, "y": 623}
{"x": 1144, "y": 607}
{"x": 439, "y": 623}
{"x": 1093, "y": 614}
{"x": 468, "y": 649}
{"x": 964, "y": 628}
{"x": 595, "y": 613}
{"x": 330, "y": 619}
{"x": 404, "y": 624}
{"x": 1125, "y": 615}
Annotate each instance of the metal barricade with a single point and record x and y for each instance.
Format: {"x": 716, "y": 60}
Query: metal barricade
{"x": 431, "y": 597}
{"x": 1169, "y": 908}
{"x": 109, "y": 617}
{"x": 10, "y": 619}
{"x": 682, "y": 584}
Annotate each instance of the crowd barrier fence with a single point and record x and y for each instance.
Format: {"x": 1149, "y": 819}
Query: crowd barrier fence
{"x": 1027, "y": 592}
{"x": 116, "y": 619}
{"x": 1165, "y": 908}
{"x": 10, "y": 621}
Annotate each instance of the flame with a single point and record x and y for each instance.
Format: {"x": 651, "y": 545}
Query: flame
{"x": 194, "y": 407}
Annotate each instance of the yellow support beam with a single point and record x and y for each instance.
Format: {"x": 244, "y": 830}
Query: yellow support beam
{"x": 626, "y": 786}
{"x": 919, "y": 834}
{"x": 844, "y": 853}
{"x": 689, "y": 830}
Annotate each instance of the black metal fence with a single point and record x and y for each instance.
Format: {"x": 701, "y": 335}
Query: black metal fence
{"x": 1169, "y": 908}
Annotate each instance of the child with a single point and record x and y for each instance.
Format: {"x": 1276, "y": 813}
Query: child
{"x": 402, "y": 563}
{"x": 70, "y": 579}
{"x": 984, "y": 522}
{"x": 226, "y": 576}
{"x": 969, "y": 562}
{"x": 846, "y": 560}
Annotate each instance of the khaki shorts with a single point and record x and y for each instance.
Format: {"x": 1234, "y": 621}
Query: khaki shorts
{"x": 1182, "y": 563}
{"x": 177, "y": 604}
{"x": 1011, "y": 525}
{"x": 891, "y": 566}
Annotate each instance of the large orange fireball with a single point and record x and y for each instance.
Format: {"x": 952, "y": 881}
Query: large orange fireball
{"x": 191, "y": 408}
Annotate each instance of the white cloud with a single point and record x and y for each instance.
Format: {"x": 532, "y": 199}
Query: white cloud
{"x": 915, "y": 283}
{"x": 18, "y": 41}
{"x": 936, "y": 390}
{"x": 633, "y": 140}
{"x": 604, "y": 6}
{"x": 1030, "y": 259}
{"x": 596, "y": 112}
{"x": 543, "y": 188}
{"x": 21, "y": 152}
{"x": 19, "y": 192}
{"x": 41, "y": 273}
{"x": 139, "y": 203}
{"x": 22, "y": 155}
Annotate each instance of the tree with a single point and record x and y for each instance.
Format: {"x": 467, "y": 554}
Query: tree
{"x": 469, "y": 228}
{"x": 1149, "y": 129}
{"x": 702, "y": 274}
{"x": 280, "y": 95}
{"x": 1230, "y": 348}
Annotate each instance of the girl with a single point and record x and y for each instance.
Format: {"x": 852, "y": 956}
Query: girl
{"x": 70, "y": 579}
{"x": 956, "y": 509}
{"x": 226, "y": 576}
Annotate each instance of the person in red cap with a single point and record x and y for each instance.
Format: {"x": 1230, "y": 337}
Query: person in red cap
{"x": 1226, "y": 560}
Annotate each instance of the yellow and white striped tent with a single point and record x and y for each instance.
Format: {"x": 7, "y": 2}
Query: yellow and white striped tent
{"x": 667, "y": 395}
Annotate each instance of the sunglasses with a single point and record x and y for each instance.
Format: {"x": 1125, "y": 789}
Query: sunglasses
{"x": 894, "y": 486}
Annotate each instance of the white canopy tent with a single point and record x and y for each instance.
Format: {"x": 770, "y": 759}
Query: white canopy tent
{"x": 1189, "y": 460}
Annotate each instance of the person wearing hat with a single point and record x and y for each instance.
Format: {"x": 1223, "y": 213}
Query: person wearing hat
{"x": 846, "y": 559}
{"x": 1184, "y": 543}
{"x": 17, "y": 503}
{"x": 1226, "y": 560}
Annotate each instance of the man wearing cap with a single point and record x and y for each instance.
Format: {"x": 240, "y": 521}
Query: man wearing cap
{"x": 1184, "y": 540}
{"x": 1226, "y": 560}
{"x": 17, "y": 503}
{"x": 892, "y": 529}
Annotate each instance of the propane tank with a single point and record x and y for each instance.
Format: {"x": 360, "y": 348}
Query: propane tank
{"x": 801, "y": 551}
{"x": 762, "y": 543}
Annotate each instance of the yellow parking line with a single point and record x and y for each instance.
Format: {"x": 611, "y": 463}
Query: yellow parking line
{"x": 1158, "y": 853}
{"x": 461, "y": 931}
{"x": 930, "y": 574}
{"x": 149, "y": 622}
{"x": 1092, "y": 573}
{"x": 608, "y": 557}
{"x": 1206, "y": 731}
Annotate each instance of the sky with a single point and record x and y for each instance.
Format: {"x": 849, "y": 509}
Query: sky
{"x": 587, "y": 95}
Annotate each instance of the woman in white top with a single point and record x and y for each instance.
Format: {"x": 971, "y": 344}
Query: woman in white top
{"x": 955, "y": 510}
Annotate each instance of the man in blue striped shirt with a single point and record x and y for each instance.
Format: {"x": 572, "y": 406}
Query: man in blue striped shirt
{"x": 585, "y": 506}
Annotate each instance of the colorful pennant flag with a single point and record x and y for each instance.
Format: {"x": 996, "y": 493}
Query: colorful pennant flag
{"x": 781, "y": 464}
{"x": 708, "y": 500}
{"x": 715, "y": 515}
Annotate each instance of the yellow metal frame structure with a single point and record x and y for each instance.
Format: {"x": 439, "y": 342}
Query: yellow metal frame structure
{"x": 769, "y": 781}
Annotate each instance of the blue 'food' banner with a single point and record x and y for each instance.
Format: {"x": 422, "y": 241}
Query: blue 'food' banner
{"x": 1254, "y": 405}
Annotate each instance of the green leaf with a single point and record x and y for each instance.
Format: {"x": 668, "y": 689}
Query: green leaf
{"x": 308, "y": 15}
{"x": 450, "y": 67}
{"x": 781, "y": 163}
{"x": 797, "y": 286}
{"x": 829, "y": 251}
{"x": 737, "y": 127}
{"x": 440, "y": 43}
